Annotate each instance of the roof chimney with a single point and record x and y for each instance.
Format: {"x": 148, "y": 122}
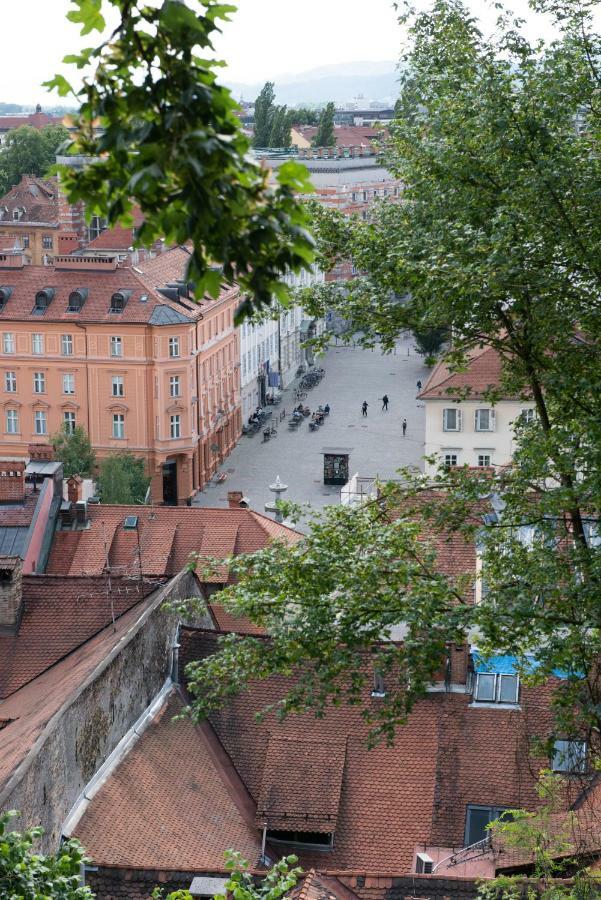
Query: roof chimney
{"x": 12, "y": 481}
{"x": 11, "y": 593}
{"x": 234, "y": 498}
{"x": 74, "y": 488}
{"x": 40, "y": 452}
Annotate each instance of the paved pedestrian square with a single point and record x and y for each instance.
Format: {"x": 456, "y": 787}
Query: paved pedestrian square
{"x": 377, "y": 444}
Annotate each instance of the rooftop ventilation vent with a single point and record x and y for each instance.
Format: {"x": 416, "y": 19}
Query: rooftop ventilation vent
{"x": 77, "y": 298}
{"x": 130, "y": 523}
{"x": 119, "y": 301}
{"x": 5, "y": 295}
{"x": 43, "y": 299}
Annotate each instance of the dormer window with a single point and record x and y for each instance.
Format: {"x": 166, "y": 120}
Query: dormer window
{"x": 316, "y": 839}
{"x": 43, "y": 299}
{"x": 5, "y": 294}
{"x": 119, "y": 301}
{"x": 18, "y": 213}
{"x": 77, "y": 298}
{"x": 3, "y": 211}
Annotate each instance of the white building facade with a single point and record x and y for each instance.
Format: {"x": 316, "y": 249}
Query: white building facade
{"x": 271, "y": 351}
{"x": 470, "y": 432}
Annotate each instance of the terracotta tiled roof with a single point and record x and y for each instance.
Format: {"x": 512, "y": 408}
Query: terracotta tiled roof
{"x": 59, "y": 615}
{"x": 117, "y": 238}
{"x": 38, "y": 198}
{"x": 19, "y": 515}
{"x": 167, "y": 536}
{"x": 349, "y": 135}
{"x": 483, "y": 372}
{"x": 300, "y": 786}
{"x": 34, "y": 120}
{"x": 171, "y": 804}
{"x": 140, "y": 307}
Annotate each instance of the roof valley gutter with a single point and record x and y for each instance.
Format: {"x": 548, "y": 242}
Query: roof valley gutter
{"x": 127, "y": 742}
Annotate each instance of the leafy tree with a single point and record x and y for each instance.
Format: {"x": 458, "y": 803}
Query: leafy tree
{"x": 499, "y": 241}
{"x": 173, "y": 146}
{"x": 325, "y": 128}
{"x": 29, "y": 875}
{"x": 277, "y": 883}
{"x": 264, "y": 112}
{"x": 280, "y": 129}
{"x": 29, "y": 151}
{"x": 429, "y": 342}
{"x": 303, "y": 116}
{"x": 122, "y": 479}
{"x": 74, "y": 450}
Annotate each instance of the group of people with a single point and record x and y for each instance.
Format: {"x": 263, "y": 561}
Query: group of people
{"x": 255, "y": 418}
{"x": 385, "y": 402}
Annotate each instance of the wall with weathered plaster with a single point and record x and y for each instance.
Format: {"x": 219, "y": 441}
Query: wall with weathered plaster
{"x": 92, "y": 721}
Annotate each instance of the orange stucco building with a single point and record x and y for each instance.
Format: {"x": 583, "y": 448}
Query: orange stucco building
{"x": 123, "y": 351}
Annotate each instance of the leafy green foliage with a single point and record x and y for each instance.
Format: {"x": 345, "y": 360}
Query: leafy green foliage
{"x": 429, "y": 342}
{"x": 173, "y": 145}
{"x": 75, "y": 451}
{"x": 325, "y": 127}
{"x": 28, "y": 875}
{"x": 29, "y": 151}
{"x": 272, "y": 122}
{"x": 496, "y": 239}
{"x": 241, "y": 885}
{"x": 122, "y": 479}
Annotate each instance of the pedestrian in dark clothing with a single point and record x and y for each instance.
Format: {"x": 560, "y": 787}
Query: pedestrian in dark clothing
{"x": 364, "y": 407}
{"x": 419, "y": 385}
{"x": 404, "y": 427}
{"x": 385, "y": 402}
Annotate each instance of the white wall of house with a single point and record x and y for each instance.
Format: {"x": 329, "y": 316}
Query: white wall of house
{"x": 265, "y": 342}
{"x": 473, "y": 432}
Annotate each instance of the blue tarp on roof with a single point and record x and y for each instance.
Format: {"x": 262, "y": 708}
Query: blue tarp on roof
{"x": 508, "y": 665}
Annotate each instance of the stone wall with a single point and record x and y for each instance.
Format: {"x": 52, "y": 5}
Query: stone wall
{"x": 92, "y": 721}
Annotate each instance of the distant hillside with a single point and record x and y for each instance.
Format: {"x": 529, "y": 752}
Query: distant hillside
{"x": 341, "y": 83}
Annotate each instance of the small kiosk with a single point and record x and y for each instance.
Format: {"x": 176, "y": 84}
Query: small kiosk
{"x": 336, "y": 464}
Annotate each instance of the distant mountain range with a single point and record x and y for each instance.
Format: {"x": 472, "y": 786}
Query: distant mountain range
{"x": 342, "y": 83}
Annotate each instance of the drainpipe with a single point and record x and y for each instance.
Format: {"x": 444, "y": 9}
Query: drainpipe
{"x": 263, "y": 842}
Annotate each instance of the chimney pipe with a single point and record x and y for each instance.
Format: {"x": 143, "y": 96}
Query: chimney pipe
{"x": 11, "y": 592}
{"x": 234, "y": 498}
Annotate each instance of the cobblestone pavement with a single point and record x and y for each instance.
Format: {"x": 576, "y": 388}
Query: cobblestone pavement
{"x": 377, "y": 444}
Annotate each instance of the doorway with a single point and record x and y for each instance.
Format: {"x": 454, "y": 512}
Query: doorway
{"x": 170, "y": 483}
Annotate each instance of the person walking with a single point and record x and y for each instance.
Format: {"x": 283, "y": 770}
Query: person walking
{"x": 385, "y": 402}
{"x": 404, "y": 427}
{"x": 419, "y": 385}
{"x": 364, "y": 407}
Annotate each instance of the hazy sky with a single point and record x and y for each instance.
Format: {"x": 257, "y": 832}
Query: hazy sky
{"x": 266, "y": 39}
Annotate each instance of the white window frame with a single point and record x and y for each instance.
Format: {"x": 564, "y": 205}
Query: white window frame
{"x": 446, "y": 455}
{"x": 116, "y": 346}
{"x": 69, "y": 419}
{"x": 484, "y": 454}
{"x": 527, "y": 415}
{"x": 458, "y": 419}
{"x": 39, "y": 382}
{"x": 37, "y": 344}
{"x": 174, "y": 348}
{"x": 491, "y": 419}
{"x": 40, "y": 421}
{"x": 117, "y": 386}
{"x": 175, "y": 427}
{"x": 8, "y": 342}
{"x": 497, "y": 688}
{"x": 567, "y": 762}
{"x": 66, "y": 345}
{"x": 12, "y": 416}
{"x": 10, "y": 382}
{"x": 68, "y": 383}
{"x": 175, "y": 386}
{"x": 118, "y": 426}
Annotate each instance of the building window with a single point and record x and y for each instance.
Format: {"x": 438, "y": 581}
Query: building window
{"x": 484, "y": 420}
{"x": 324, "y": 840}
{"x": 37, "y": 344}
{"x": 68, "y": 383}
{"x": 569, "y": 756}
{"x": 118, "y": 425}
{"x": 12, "y": 421}
{"x": 450, "y": 460}
{"x": 379, "y": 688}
{"x": 10, "y": 382}
{"x": 116, "y": 346}
{"x": 173, "y": 347}
{"x": 117, "y": 386}
{"x": 527, "y": 416}
{"x": 67, "y": 344}
{"x": 174, "y": 386}
{"x": 451, "y": 419}
{"x": 174, "y": 425}
{"x": 8, "y": 342}
{"x": 494, "y": 687}
{"x": 47, "y": 242}
{"x": 69, "y": 422}
{"x": 365, "y": 196}
{"x": 484, "y": 460}
{"x": 39, "y": 383}
{"x": 25, "y": 239}
{"x": 477, "y": 819}
{"x": 39, "y": 419}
